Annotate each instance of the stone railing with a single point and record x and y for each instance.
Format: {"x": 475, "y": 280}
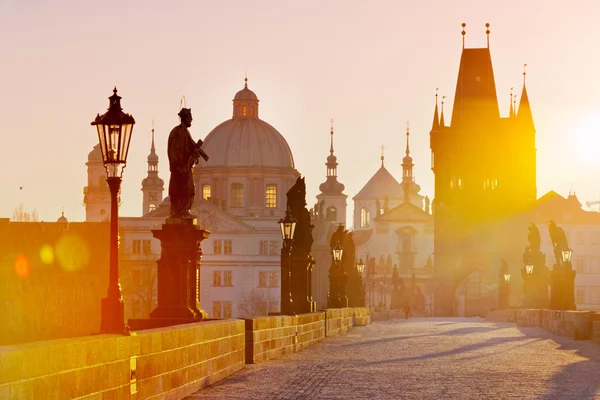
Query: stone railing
{"x": 580, "y": 325}
{"x": 338, "y": 321}
{"x": 156, "y": 363}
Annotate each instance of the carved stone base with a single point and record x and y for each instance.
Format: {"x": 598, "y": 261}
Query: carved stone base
{"x": 177, "y": 269}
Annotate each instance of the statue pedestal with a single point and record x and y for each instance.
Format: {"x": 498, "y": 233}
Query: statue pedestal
{"x": 301, "y": 281}
{"x": 178, "y": 269}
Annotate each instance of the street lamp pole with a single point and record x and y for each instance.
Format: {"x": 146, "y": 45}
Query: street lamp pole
{"x": 114, "y": 133}
{"x": 360, "y": 268}
{"x": 288, "y": 227}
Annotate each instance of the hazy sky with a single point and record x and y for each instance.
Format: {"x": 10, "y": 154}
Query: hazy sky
{"x": 370, "y": 66}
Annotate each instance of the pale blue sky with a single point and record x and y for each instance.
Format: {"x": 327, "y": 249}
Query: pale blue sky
{"x": 370, "y": 66}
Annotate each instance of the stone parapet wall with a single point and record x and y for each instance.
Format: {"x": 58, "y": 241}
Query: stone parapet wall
{"x": 362, "y": 316}
{"x": 173, "y": 361}
{"x": 339, "y": 321}
{"x": 580, "y": 325}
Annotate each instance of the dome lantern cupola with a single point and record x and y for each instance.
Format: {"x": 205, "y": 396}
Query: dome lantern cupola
{"x": 245, "y": 103}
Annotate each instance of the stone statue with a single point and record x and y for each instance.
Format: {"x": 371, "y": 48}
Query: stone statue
{"x": 559, "y": 240}
{"x": 296, "y": 201}
{"x": 534, "y": 238}
{"x": 183, "y": 154}
{"x": 427, "y": 203}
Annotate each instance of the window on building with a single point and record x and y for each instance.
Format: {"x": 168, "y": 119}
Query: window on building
{"x": 580, "y": 238}
{"x": 146, "y": 247}
{"x": 152, "y": 207}
{"x": 364, "y": 217}
{"x": 456, "y": 183}
{"x": 227, "y": 246}
{"x": 217, "y": 307}
{"x": 244, "y": 111}
{"x": 595, "y": 237}
{"x": 274, "y": 247}
{"x": 206, "y": 191}
{"x": 263, "y": 247}
{"x": 237, "y": 195}
{"x": 273, "y": 279}
{"x": 331, "y": 214}
{"x": 217, "y": 278}
{"x": 271, "y": 196}
{"x": 227, "y": 278}
{"x": 136, "y": 246}
{"x": 580, "y": 265}
{"x": 226, "y": 309}
{"x": 217, "y": 246}
{"x": 580, "y": 296}
{"x": 262, "y": 279}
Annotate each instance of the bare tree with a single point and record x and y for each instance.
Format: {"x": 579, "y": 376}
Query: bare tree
{"x": 20, "y": 215}
{"x": 257, "y": 303}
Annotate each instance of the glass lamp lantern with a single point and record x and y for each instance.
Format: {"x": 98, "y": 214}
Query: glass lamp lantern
{"x": 337, "y": 252}
{"x": 288, "y": 226}
{"x": 507, "y": 278}
{"x": 566, "y": 255}
{"x": 360, "y": 267}
{"x": 529, "y": 269}
{"x": 114, "y": 133}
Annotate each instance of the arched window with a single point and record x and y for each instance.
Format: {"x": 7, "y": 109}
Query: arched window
{"x": 271, "y": 196}
{"x": 331, "y": 214}
{"x": 365, "y": 217}
{"x": 244, "y": 111}
{"x": 237, "y": 195}
{"x": 152, "y": 207}
{"x": 206, "y": 191}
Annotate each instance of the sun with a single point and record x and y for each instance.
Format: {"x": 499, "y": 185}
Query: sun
{"x": 587, "y": 138}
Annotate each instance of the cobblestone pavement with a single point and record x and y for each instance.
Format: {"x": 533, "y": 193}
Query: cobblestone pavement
{"x": 426, "y": 358}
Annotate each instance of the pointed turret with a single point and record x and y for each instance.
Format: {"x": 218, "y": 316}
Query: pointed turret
{"x": 152, "y": 185}
{"x": 332, "y": 196}
{"x": 511, "y": 114}
{"x": 442, "y": 123}
{"x": 407, "y": 169}
{"x": 436, "y": 118}
{"x": 525, "y": 117}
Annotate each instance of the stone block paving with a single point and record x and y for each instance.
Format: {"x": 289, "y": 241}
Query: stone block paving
{"x": 426, "y": 358}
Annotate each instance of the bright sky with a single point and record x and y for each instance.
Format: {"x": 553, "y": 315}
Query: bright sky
{"x": 370, "y": 66}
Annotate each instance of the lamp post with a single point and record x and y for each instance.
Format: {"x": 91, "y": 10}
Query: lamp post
{"x": 338, "y": 252}
{"x": 114, "y": 133}
{"x": 569, "y": 280}
{"x": 287, "y": 226}
{"x": 360, "y": 268}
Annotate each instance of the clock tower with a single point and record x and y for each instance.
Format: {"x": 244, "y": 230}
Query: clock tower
{"x": 152, "y": 185}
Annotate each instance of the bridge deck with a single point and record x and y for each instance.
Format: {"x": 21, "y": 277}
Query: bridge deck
{"x": 426, "y": 358}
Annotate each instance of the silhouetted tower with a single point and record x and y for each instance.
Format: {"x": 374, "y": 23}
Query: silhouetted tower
{"x": 332, "y": 196}
{"x": 152, "y": 185}
{"x": 484, "y": 166}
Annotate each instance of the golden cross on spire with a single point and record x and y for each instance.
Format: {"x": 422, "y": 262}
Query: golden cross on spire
{"x": 382, "y": 156}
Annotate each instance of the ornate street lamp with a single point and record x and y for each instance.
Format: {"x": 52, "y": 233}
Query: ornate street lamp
{"x": 114, "y": 133}
{"x": 566, "y": 255}
{"x": 529, "y": 269}
{"x": 507, "y": 278}
{"x": 337, "y": 252}
{"x": 288, "y": 227}
{"x": 360, "y": 267}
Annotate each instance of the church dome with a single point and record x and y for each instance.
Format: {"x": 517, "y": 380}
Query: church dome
{"x": 62, "y": 219}
{"x": 245, "y": 140}
{"x": 96, "y": 154}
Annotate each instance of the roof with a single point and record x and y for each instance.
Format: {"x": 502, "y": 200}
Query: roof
{"x": 246, "y": 142}
{"x": 380, "y": 185}
{"x": 553, "y": 206}
{"x": 475, "y": 96}
{"x": 361, "y": 236}
{"x": 405, "y": 212}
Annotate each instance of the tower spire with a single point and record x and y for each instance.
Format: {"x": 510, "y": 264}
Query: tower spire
{"x": 152, "y": 148}
{"x": 407, "y": 135}
{"x": 463, "y": 33}
{"x": 525, "y": 117}
{"x": 511, "y": 114}
{"x": 407, "y": 168}
{"x": 487, "y": 32}
{"x": 442, "y": 123}
{"x": 246, "y": 80}
{"x": 436, "y": 119}
{"x": 382, "y": 156}
{"x": 331, "y": 132}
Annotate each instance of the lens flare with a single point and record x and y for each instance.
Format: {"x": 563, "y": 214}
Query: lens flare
{"x": 22, "y": 267}
{"x": 72, "y": 253}
{"x": 47, "y": 254}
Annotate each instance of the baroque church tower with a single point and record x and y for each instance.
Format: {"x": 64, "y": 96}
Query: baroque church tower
{"x": 332, "y": 200}
{"x": 152, "y": 185}
{"x": 96, "y": 195}
{"x": 485, "y": 172}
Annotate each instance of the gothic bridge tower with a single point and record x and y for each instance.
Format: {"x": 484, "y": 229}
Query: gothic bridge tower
{"x": 485, "y": 174}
